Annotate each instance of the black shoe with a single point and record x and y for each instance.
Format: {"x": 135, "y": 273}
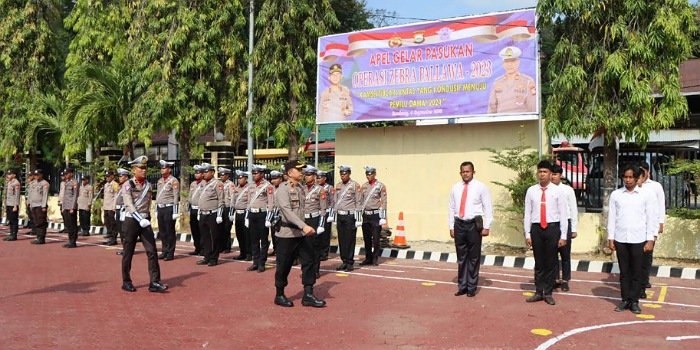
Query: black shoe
{"x": 37, "y": 241}
{"x": 128, "y": 286}
{"x": 253, "y": 267}
{"x": 240, "y": 257}
{"x": 168, "y": 258}
{"x": 643, "y": 294}
{"x": 248, "y": 258}
{"x": 460, "y": 292}
{"x": 565, "y": 286}
{"x": 471, "y": 294}
{"x": 261, "y": 268}
{"x": 341, "y": 267}
{"x": 120, "y": 252}
{"x": 157, "y": 287}
{"x": 634, "y": 307}
{"x": 349, "y": 267}
{"x": 534, "y": 298}
{"x": 310, "y": 300}
{"x": 110, "y": 243}
{"x": 161, "y": 256}
{"x": 623, "y": 306}
{"x": 202, "y": 262}
{"x": 196, "y": 252}
{"x": 366, "y": 262}
{"x": 70, "y": 245}
{"x": 648, "y": 285}
{"x": 10, "y": 238}
{"x": 282, "y": 300}
{"x": 549, "y": 300}
{"x": 213, "y": 263}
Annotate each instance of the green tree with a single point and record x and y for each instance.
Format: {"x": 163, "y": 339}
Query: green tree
{"x": 610, "y": 58}
{"x": 352, "y": 15}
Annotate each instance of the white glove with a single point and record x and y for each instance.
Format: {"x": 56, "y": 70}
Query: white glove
{"x": 382, "y": 221}
{"x": 175, "y": 216}
{"x": 246, "y": 223}
{"x": 268, "y": 224}
{"x": 230, "y": 217}
{"x": 330, "y": 219}
{"x": 358, "y": 223}
{"x": 320, "y": 230}
{"x": 219, "y": 219}
{"x": 145, "y": 223}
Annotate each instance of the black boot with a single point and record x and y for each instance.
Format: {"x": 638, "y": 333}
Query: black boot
{"x": 309, "y": 299}
{"x": 281, "y": 299}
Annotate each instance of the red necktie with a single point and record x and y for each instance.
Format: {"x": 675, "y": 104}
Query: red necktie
{"x": 543, "y": 210}
{"x": 462, "y": 205}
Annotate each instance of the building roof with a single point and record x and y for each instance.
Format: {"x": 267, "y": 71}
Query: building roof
{"x": 690, "y": 77}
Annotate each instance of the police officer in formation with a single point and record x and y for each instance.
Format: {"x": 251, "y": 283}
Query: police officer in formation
{"x": 572, "y": 217}
{"x": 647, "y": 184}
{"x": 110, "y": 190}
{"x": 261, "y": 201}
{"x": 348, "y": 201}
{"x": 85, "y": 195}
{"x": 211, "y": 207}
{"x": 120, "y": 214}
{"x": 167, "y": 201}
{"x": 314, "y": 212}
{"x": 12, "y": 194}
{"x": 239, "y": 208}
{"x": 275, "y": 180}
{"x": 325, "y": 236}
{"x": 193, "y": 201}
{"x": 373, "y": 215}
{"x": 69, "y": 208}
{"x": 30, "y": 217}
{"x": 137, "y": 203}
{"x": 225, "y": 241}
{"x": 37, "y": 201}
{"x": 295, "y": 238}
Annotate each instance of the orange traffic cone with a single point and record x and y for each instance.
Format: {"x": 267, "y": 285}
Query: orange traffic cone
{"x": 400, "y": 236}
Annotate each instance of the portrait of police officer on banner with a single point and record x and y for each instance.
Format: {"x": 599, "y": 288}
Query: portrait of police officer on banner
{"x": 513, "y": 92}
{"x": 336, "y": 101}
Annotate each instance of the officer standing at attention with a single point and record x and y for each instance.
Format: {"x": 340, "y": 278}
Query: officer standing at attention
{"x": 314, "y": 213}
{"x": 225, "y": 236}
{"x": 239, "y": 206}
{"x": 572, "y": 216}
{"x": 110, "y": 190}
{"x": 646, "y": 183}
{"x": 546, "y": 226}
{"x": 260, "y": 205}
{"x": 167, "y": 202}
{"x": 193, "y": 199}
{"x": 119, "y": 214}
{"x": 275, "y": 180}
{"x": 348, "y": 201}
{"x": 295, "y": 237}
{"x": 137, "y": 203}
{"x": 69, "y": 208}
{"x": 37, "y": 200}
{"x": 30, "y": 217}
{"x": 373, "y": 215}
{"x": 325, "y": 237}
{"x": 61, "y": 191}
{"x": 12, "y": 194}
{"x": 469, "y": 219}
{"x": 84, "y": 205}
{"x": 211, "y": 207}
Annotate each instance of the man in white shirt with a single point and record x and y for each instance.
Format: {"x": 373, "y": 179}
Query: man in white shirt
{"x": 469, "y": 219}
{"x": 546, "y": 226}
{"x": 572, "y": 216}
{"x": 646, "y": 183}
{"x": 632, "y": 224}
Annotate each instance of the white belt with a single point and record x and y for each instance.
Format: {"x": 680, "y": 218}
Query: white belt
{"x": 207, "y": 212}
{"x": 144, "y": 215}
{"x": 194, "y": 207}
{"x": 370, "y": 212}
{"x": 240, "y": 211}
{"x": 312, "y": 215}
{"x": 258, "y": 210}
{"x": 344, "y": 212}
{"x": 118, "y": 206}
{"x": 164, "y": 205}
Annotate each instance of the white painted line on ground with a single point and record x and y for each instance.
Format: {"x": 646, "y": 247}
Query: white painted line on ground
{"x": 529, "y": 263}
{"x": 489, "y": 260}
{"x": 664, "y": 271}
{"x": 418, "y": 255}
{"x": 435, "y": 256}
{"x": 595, "y": 266}
{"x": 688, "y": 273}
{"x": 402, "y": 254}
{"x": 685, "y": 337}
{"x": 509, "y": 261}
{"x": 452, "y": 258}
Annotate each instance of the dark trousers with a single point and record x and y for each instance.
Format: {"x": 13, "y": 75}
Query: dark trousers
{"x": 210, "y": 232}
{"x": 166, "y": 230}
{"x": 370, "y": 233}
{"x": 646, "y": 267}
{"x": 84, "y": 220}
{"x": 564, "y": 258}
{"x": 325, "y": 237}
{"x": 347, "y": 234}
{"x": 111, "y": 225}
{"x": 468, "y": 246}
{"x": 70, "y": 220}
{"x": 40, "y": 223}
{"x": 630, "y": 257}
{"x": 194, "y": 228}
{"x": 132, "y": 231}
{"x": 13, "y": 220}
{"x": 287, "y": 250}
{"x": 30, "y": 218}
{"x": 242, "y": 235}
{"x": 273, "y": 237}
{"x": 316, "y": 243}
{"x": 225, "y": 236}
{"x": 544, "y": 246}
{"x": 258, "y": 237}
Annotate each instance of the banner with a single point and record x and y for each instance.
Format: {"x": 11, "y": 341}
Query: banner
{"x": 456, "y": 68}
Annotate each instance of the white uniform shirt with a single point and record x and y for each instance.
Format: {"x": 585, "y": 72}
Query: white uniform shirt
{"x": 478, "y": 202}
{"x": 658, "y": 192}
{"x": 571, "y": 205}
{"x": 557, "y": 209}
{"x": 632, "y": 216}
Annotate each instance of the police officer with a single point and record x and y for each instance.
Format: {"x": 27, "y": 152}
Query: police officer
{"x": 61, "y": 191}
{"x": 167, "y": 200}
{"x": 211, "y": 206}
{"x": 137, "y": 203}
{"x": 109, "y": 195}
{"x": 295, "y": 238}
{"x": 348, "y": 201}
{"x": 69, "y": 208}
{"x": 572, "y": 216}
{"x": 373, "y": 215}
{"x": 275, "y": 180}
{"x": 119, "y": 215}
{"x": 315, "y": 213}
{"x": 30, "y": 222}
{"x": 37, "y": 201}
{"x": 239, "y": 206}
{"x": 84, "y": 205}
{"x": 325, "y": 237}
{"x": 260, "y": 204}
{"x": 225, "y": 236}
{"x": 513, "y": 92}
{"x": 12, "y": 194}
{"x": 193, "y": 200}
{"x": 336, "y": 101}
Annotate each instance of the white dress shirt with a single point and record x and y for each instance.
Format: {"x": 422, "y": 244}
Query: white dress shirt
{"x": 478, "y": 202}
{"x": 571, "y": 205}
{"x": 632, "y": 216}
{"x": 557, "y": 209}
{"x": 658, "y": 192}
